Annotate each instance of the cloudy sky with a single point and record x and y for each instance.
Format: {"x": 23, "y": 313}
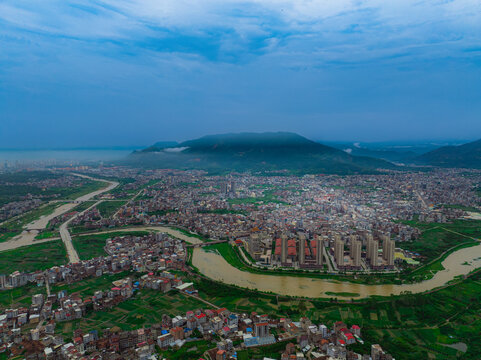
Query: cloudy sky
{"x": 131, "y": 72}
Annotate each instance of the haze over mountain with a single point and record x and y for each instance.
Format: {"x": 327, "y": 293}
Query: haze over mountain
{"x": 270, "y": 151}
{"x": 397, "y": 152}
{"x": 465, "y": 156}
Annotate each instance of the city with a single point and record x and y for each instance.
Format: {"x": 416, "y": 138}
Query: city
{"x": 240, "y": 180}
{"x": 149, "y": 232}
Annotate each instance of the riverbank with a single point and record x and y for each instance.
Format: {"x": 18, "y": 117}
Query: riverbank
{"x": 460, "y": 262}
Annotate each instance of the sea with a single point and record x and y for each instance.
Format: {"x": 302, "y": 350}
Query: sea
{"x": 61, "y": 156}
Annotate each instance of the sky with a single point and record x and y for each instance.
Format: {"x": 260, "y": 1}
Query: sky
{"x": 133, "y": 72}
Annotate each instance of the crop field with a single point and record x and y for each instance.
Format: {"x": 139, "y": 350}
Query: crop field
{"x": 109, "y": 208}
{"x": 33, "y": 257}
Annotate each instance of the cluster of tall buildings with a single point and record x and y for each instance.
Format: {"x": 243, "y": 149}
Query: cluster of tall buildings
{"x": 227, "y": 187}
{"x": 299, "y": 251}
{"x": 371, "y": 253}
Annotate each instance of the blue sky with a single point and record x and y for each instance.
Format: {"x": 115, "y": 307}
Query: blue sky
{"x": 132, "y": 72}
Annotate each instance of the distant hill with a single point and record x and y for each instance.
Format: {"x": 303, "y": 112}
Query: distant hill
{"x": 388, "y": 155}
{"x": 270, "y": 151}
{"x": 160, "y": 145}
{"x": 464, "y": 156}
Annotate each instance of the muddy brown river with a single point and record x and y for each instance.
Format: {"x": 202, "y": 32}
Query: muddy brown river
{"x": 217, "y": 268}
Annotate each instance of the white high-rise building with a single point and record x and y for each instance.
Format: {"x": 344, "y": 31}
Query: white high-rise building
{"x": 339, "y": 252}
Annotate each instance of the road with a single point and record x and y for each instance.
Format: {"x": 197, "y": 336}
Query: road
{"x": 67, "y": 239}
{"x": 422, "y": 200}
{"x": 65, "y": 234}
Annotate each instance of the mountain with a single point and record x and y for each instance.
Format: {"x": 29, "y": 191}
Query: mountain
{"x": 271, "y": 151}
{"x": 160, "y": 145}
{"x": 395, "y": 156}
{"x": 461, "y": 156}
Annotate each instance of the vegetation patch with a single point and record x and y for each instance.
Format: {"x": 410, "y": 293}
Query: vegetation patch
{"x": 33, "y": 257}
{"x": 342, "y": 294}
{"x": 109, "y": 208}
{"x": 92, "y": 246}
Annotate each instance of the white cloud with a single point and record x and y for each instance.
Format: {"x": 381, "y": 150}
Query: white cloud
{"x": 302, "y": 32}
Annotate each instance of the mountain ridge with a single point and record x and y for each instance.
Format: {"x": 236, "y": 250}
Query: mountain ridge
{"x": 259, "y": 151}
{"x": 465, "y": 156}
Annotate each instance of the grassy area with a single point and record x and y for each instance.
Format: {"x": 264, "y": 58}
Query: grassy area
{"x": 437, "y": 238}
{"x": 84, "y": 205}
{"x": 428, "y": 270}
{"x": 91, "y": 246}
{"x": 272, "y": 351}
{"x": 268, "y": 197}
{"x": 8, "y": 234}
{"x": 47, "y": 235}
{"x": 191, "y": 350}
{"x": 188, "y": 233}
{"x": 109, "y": 208}
{"x": 33, "y": 257}
{"x": 88, "y": 187}
{"x": 229, "y": 253}
{"x": 462, "y": 207}
{"x": 342, "y": 294}
{"x": 19, "y": 296}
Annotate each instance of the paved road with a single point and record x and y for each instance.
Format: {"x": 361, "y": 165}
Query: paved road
{"x": 422, "y": 200}
{"x": 67, "y": 239}
{"x": 65, "y": 234}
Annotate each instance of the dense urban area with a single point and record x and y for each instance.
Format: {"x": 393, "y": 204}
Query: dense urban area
{"x": 112, "y": 262}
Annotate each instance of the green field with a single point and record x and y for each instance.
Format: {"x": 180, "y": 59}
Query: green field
{"x": 462, "y": 207}
{"x": 272, "y": 351}
{"x": 437, "y": 238}
{"x": 33, "y": 257}
{"x": 191, "y": 350}
{"x": 91, "y": 246}
{"x": 109, "y": 208}
{"x": 47, "y": 235}
{"x": 87, "y": 187}
{"x": 268, "y": 197}
{"x": 84, "y": 205}
{"x": 342, "y": 294}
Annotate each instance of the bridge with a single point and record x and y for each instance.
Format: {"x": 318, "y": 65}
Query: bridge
{"x": 208, "y": 243}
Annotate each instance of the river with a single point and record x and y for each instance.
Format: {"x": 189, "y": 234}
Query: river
{"x": 214, "y": 266}
{"x": 217, "y": 268}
